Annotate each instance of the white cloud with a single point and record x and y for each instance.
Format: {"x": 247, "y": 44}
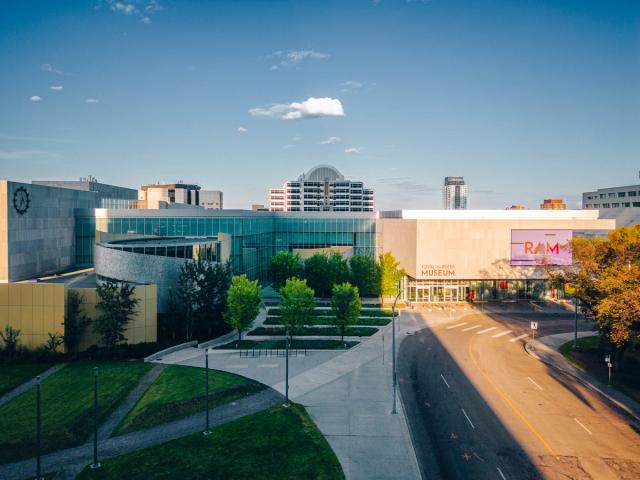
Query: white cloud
{"x": 351, "y": 85}
{"x": 35, "y": 98}
{"x": 330, "y": 141}
{"x": 139, "y": 8}
{"x": 354, "y": 150}
{"x": 242, "y": 130}
{"x": 291, "y": 58}
{"x": 47, "y": 67}
{"x": 126, "y": 8}
{"x": 146, "y": 20}
{"x": 92, "y": 100}
{"x": 310, "y": 108}
{"x": 56, "y": 88}
{"x": 287, "y": 147}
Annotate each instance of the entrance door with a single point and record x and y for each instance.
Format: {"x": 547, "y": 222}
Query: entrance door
{"x": 451, "y": 294}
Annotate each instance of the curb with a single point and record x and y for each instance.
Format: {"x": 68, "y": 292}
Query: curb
{"x": 530, "y": 349}
{"x": 166, "y": 351}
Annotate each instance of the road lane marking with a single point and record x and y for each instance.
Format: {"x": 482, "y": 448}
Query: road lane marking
{"x": 534, "y": 382}
{"x": 510, "y": 404}
{"x": 456, "y": 326}
{"x": 468, "y": 419}
{"x": 581, "y": 424}
{"x": 471, "y": 328}
{"x": 502, "y": 334}
{"x": 485, "y": 330}
{"x": 444, "y": 380}
{"x": 501, "y": 474}
{"x": 519, "y": 338}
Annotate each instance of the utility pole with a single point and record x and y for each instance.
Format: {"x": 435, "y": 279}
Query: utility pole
{"x": 575, "y": 318}
{"x": 207, "y": 430}
{"x": 393, "y": 349}
{"x": 38, "y": 430}
{"x": 96, "y": 463}
{"x": 286, "y": 368}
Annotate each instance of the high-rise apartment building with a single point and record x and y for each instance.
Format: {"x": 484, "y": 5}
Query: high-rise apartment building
{"x": 321, "y": 189}
{"x": 454, "y": 194}
{"x": 553, "y": 204}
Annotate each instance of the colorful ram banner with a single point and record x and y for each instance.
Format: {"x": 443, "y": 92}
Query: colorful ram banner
{"x": 541, "y": 247}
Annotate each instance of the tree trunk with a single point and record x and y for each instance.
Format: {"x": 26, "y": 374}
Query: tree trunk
{"x": 239, "y": 338}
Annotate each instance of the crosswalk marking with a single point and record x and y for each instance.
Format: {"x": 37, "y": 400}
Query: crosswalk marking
{"x": 501, "y": 334}
{"x": 470, "y": 328}
{"x": 456, "y": 326}
{"x": 485, "y": 330}
{"x": 518, "y": 338}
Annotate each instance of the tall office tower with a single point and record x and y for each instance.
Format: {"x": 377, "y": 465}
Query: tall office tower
{"x": 454, "y": 194}
{"x": 321, "y": 189}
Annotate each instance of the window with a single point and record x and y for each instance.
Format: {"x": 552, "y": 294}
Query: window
{"x": 622, "y": 194}
{"x": 612, "y": 194}
{"x": 626, "y": 204}
{"x": 606, "y": 205}
{"x": 615, "y": 205}
{"x": 636, "y": 204}
{"x": 632, "y": 194}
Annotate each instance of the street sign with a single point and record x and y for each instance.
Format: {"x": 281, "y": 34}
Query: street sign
{"x": 609, "y": 364}
{"x": 534, "y": 325}
{"x": 607, "y": 358}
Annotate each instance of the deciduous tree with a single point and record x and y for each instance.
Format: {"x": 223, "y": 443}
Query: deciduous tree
{"x": 345, "y": 304}
{"x": 243, "y": 303}
{"x": 390, "y": 275}
{"x": 317, "y": 274}
{"x": 282, "y": 266}
{"x": 75, "y": 321}
{"x": 296, "y": 304}
{"x": 365, "y": 274}
{"x": 116, "y": 305}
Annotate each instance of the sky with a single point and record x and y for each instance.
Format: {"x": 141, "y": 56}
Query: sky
{"x": 526, "y": 100}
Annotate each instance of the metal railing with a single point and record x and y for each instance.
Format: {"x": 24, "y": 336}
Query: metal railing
{"x": 272, "y": 352}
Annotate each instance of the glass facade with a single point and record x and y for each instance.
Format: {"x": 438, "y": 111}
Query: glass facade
{"x": 254, "y": 239}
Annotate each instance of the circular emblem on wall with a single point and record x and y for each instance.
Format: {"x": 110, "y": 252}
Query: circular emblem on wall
{"x": 21, "y": 200}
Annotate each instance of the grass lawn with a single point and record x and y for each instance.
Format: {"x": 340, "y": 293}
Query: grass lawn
{"x": 179, "y": 392}
{"x": 278, "y": 443}
{"x": 329, "y": 320}
{"x": 316, "y": 331}
{"x": 12, "y": 376}
{"x": 589, "y": 356}
{"x": 67, "y": 407}
{"x": 300, "y": 344}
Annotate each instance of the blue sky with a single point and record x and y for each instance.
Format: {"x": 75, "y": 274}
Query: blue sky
{"x": 525, "y": 99}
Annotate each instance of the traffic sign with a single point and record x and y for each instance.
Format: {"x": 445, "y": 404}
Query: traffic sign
{"x": 609, "y": 364}
{"x": 607, "y": 358}
{"x": 534, "y": 325}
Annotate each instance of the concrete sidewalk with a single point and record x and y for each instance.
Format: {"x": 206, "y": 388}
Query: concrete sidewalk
{"x": 546, "y": 348}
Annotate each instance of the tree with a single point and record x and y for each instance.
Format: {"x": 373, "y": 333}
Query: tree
{"x": 116, "y": 305}
{"x": 53, "y": 342}
{"x": 605, "y": 277}
{"x": 345, "y": 304}
{"x": 390, "y": 275}
{"x": 338, "y": 270}
{"x": 243, "y": 303}
{"x": 296, "y": 304}
{"x": 75, "y": 321}
{"x": 316, "y": 272}
{"x": 10, "y": 339}
{"x": 365, "y": 274}
{"x": 201, "y": 294}
{"x": 282, "y": 266}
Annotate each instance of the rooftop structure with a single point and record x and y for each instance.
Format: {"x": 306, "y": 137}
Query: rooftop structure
{"x": 321, "y": 189}
{"x": 553, "y": 204}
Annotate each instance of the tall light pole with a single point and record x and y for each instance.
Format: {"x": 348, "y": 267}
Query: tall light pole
{"x": 393, "y": 349}
{"x": 575, "y": 317}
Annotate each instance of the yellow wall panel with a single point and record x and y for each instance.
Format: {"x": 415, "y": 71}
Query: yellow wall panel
{"x": 26, "y": 319}
{"x": 26, "y": 294}
{"x": 14, "y": 294}
{"x": 38, "y": 295}
{"x": 47, "y": 296}
{"x": 4, "y": 294}
{"x": 15, "y": 318}
{"x": 38, "y": 315}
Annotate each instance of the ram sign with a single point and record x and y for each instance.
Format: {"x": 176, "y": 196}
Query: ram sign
{"x": 541, "y": 247}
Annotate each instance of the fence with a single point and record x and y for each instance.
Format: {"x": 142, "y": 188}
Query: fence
{"x": 272, "y": 352}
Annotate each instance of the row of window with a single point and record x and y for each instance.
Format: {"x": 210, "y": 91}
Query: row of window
{"x": 613, "y": 205}
{"x": 613, "y": 195}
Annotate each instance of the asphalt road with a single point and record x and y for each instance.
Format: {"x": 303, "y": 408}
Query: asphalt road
{"x": 479, "y": 407}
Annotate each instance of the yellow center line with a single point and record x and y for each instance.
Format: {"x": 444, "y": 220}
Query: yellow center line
{"x": 505, "y": 398}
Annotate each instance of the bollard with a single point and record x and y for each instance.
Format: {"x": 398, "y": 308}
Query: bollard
{"x": 96, "y": 463}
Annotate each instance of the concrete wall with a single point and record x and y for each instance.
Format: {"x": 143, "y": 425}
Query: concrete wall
{"x": 139, "y": 268}
{"x": 41, "y": 241}
{"x": 37, "y": 309}
{"x": 471, "y": 249}
{"x": 102, "y": 189}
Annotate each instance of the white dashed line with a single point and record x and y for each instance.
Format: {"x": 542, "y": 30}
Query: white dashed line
{"x": 501, "y": 334}
{"x": 501, "y": 474}
{"x": 471, "y": 328}
{"x": 456, "y": 326}
{"x": 445, "y": 381}
{"x": 534, "y": 382}
{"x": 485, "y": 330}
{"x": 585, "y": 428}
{"x": 468, "y": 419}
{"x": 518, "y": 338}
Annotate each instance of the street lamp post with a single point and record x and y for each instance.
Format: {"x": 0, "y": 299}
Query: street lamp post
{"x": 207, "y": 429}
{"x": 286, "y": 369}
{"x": 575, "y": 318}
{"x": 393, "y": 349}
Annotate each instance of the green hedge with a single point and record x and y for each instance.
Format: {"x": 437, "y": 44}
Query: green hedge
{"x": 315, "y": 331}
{"x": 330, "y": 320}
{"x": 323, "y": 312}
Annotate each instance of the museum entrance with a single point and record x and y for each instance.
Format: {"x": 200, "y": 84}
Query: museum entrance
{"x": 436, "y": 292}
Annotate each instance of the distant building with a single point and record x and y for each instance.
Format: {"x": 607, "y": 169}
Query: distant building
{"x": 516, "y": 206}
{"x": 109, "y": 196}
{"x": 258, "y": 207}
{"x": 454, "y": 194}
{"x": 162, "y": 195}
{"x": 619, "y": 203}
{"x": 321, "y": 189}
{"x": 553, "y": 204}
